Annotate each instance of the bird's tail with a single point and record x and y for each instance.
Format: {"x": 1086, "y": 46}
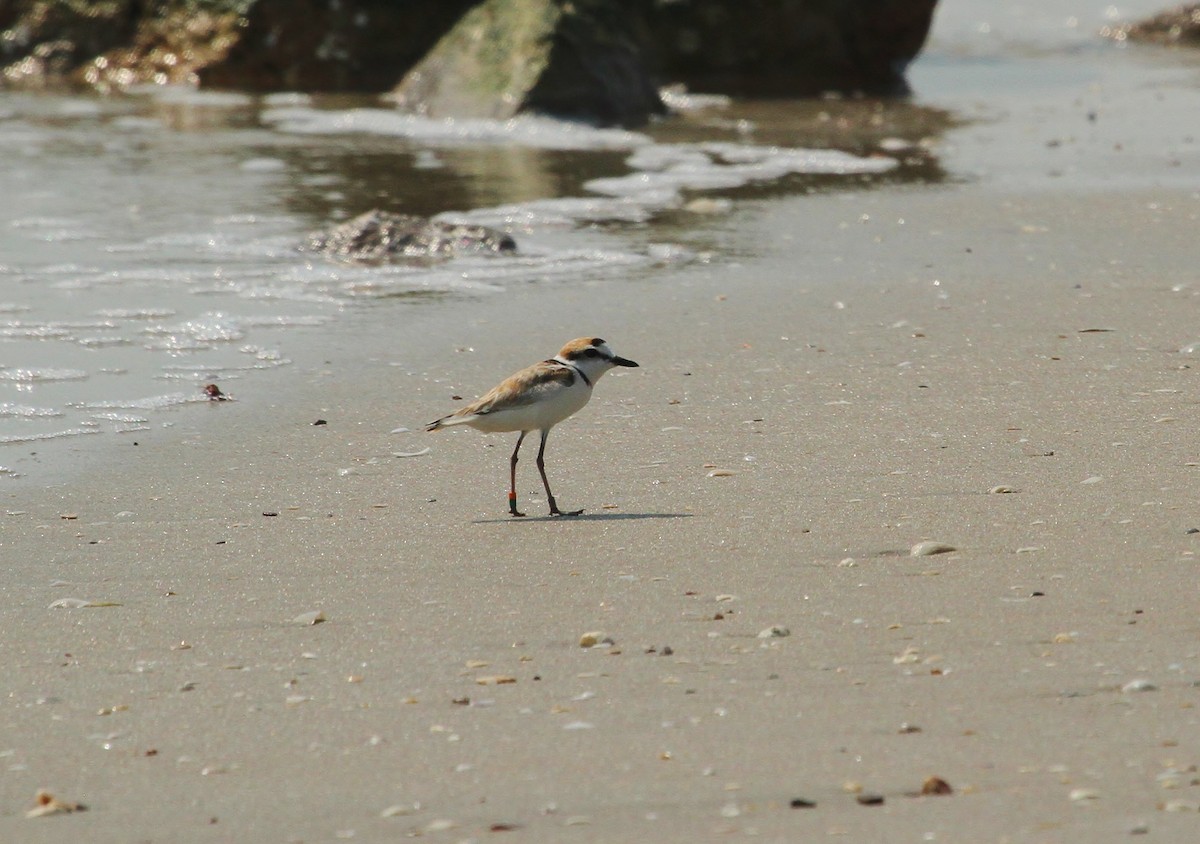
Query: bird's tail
{"x": 447, "y": 421}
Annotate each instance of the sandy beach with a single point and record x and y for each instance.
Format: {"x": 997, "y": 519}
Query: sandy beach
{"x": 998, "y": 372}
{"x": 247, "y": 627}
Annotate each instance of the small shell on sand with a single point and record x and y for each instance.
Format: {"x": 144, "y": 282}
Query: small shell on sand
{"x": 594, "y": 638}
{"x": 80, "y": 603}
{"x": 309, "y": 618}
{"x": 419, "y": 453}
{"x": 929, "y": 547}
{"x": 1139, "y": 685}
{"x": 48, "y": 804}
{"x": 1082, "y": 795}
{"x": 774, "y": 632}
{"x": 1180, "y": 806}
{"x": 1001, "y": 490}
{"x": 495, "y": 680}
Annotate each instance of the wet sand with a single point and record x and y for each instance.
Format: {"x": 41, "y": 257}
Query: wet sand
{"x": 866, "y": 384}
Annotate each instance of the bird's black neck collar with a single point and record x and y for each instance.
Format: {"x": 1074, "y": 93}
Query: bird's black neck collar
{"x": 582, "y": 374}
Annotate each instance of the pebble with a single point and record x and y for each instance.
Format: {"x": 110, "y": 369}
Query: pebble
{"x": 1141, "y": 684}
{"x": 869, "y": 799}
{"x": 594, "y": 638}
{"x": 774, "y": 632}
{"x": 721, "y": 473}
{"x": 802, "y": 803}
{"x": 1082, "y": 795}
{"x": 929, "y": 548}
{"x": 936, "y": 786}
{"x": 1001, "y": 490}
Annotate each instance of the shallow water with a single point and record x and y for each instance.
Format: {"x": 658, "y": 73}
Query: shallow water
{"x": 148, "y": 242}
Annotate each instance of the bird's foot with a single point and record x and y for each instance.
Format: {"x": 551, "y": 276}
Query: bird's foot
{"x": 554, "y": 511}
{"x": 512, "y": 504}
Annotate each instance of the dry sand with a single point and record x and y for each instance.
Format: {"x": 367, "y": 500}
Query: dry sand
{"x": 865, "y": 384}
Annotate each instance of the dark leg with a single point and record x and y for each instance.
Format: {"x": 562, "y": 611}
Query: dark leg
{"x": 512, "y": 488}
{"x": 541, "y": 464}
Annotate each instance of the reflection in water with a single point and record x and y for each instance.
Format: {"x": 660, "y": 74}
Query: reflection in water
{"x": 416, "y": 175}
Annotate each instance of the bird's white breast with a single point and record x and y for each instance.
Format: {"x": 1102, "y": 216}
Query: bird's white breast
{"x": 554, "y": 403}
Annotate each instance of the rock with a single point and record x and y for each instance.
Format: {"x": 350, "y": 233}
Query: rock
{"x": 788, "y": 47}
{"x": 1178, "y": 26}
{"x": 316, "y": 45}
{"x": 595, "y": 60}
{"x": 377, "y": 236}
{"x": 580, "y": 60}
{"x": 115, "y": 44}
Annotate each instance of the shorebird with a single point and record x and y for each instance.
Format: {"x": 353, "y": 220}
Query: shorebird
{"x": 536, "y": 399}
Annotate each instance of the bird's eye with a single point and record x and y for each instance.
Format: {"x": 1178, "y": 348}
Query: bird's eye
{"x": 591, "y": 353}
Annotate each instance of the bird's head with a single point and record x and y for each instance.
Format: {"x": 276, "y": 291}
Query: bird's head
{"x": 592, "y": 356}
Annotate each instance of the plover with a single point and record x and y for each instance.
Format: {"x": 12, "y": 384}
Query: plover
{"x": 536, "y": 399}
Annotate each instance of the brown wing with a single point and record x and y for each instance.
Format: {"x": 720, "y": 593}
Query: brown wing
{"x": 522, "y": 388}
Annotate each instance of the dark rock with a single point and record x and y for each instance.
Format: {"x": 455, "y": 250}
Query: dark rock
{"x": 316, "y": 45}
{"x": 1178, "y": 26}
{"x": 47, "y": 43}
{"x": 43, "y": 41}
{"x": 578, "y": 59}
{"x": 594, "y": 60}
{"x": 789, "y": 47}
{"x": 377, "y": 237}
